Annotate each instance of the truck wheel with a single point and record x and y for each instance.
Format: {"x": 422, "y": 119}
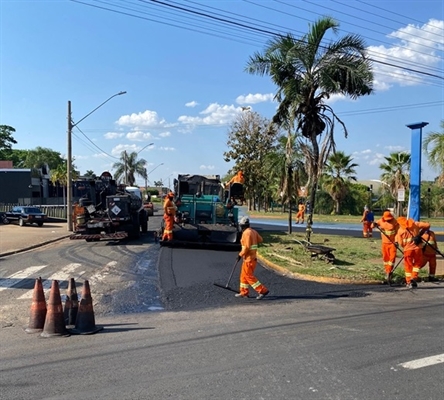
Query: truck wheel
{"x": 21, "y": 222}
{"x": 144, "y": 226}
{"x": 40, "y": 223}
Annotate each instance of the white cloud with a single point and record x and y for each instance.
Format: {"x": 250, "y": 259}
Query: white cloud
{"x": 167, "y": 148}
{"x": 395, "y": 149}
{"x": 143, "y": 119}
{"x": 117, "y": 150}
{"x": 215, "y": 114}
{"x": 254, "y": 98}
{"x": 191, "y": 104}
{"x": 139, "y": 136}
{"x": 207, "y": 167}
{"x": 165, "y": 134}
{"x": 113, "y": 135}
{"x": 417, "y": 48}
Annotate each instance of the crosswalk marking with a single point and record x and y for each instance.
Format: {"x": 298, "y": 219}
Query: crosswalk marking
{"x": 64, "y": 274}
{"x": 13, "y": 279}
{"x": 423, "y": 362}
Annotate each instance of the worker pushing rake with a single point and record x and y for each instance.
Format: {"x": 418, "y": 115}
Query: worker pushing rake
{"x": 250, "y": 240}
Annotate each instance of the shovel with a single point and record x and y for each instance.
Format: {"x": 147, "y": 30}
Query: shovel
{"x": 227, "y": 287}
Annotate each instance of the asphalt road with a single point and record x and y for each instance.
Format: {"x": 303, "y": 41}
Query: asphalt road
{"x": 171, "y": 333}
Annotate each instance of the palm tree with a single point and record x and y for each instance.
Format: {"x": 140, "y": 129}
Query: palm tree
{"x": 128, "y": 167}
{"x": 435, "y": 140}
{"x": 339, "y": 171}
{"x": 395, "y": 175}
{"x": 306, "y": 73}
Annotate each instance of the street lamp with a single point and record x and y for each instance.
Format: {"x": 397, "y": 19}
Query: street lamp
{"x": 69, "y": 158}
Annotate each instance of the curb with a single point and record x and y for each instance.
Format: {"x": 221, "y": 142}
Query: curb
{"x": 34, "y": 246}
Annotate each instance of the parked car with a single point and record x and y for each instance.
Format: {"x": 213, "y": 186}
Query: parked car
{"x": 149, "y": 207}
{"x": 26, "y": 215}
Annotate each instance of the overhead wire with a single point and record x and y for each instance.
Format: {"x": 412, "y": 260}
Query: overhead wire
{"x": 250, "y": 28}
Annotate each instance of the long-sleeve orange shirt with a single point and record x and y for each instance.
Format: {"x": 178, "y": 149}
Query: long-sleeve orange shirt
{"x": 250, "y": 240}
{"x": 389, "y": 230}
{"x": 169, "y": 207}
{"x": 405, "y": 235}
{"x": 430, "y": 242}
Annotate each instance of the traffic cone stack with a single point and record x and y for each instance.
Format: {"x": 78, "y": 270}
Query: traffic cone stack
{"x": 38, "y": 308}
{"x": 85, "y": 321}
{"x": 55, "y": 321}
{"x": 71, "y": 304}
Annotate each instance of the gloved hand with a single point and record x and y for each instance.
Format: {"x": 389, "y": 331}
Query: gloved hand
{"x": 238, "y": 258}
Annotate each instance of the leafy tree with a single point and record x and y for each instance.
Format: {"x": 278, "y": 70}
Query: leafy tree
{"x": 90, "y": 174}
{"x": 158, "y": 183}
{"x": 6, "y": 138}
{"x": 128, "y": 167}
{"x": 396, "y": 175}
{"x": 286, "y": 166}
{"x": 433, "y": 146}
{"x": 41, "y": 156}
{"x": 250, "y": 139}
{"x": 307, "y": 72}
{"x": 339, "y": 171}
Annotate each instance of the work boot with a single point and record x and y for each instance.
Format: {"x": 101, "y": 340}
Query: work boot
{"x": 240, "y": 295}
{"x": 433, "y": 278}
{"x": 261, "y": 295}
{"x": 413, "y": 283}
{"x": 388, "y": 278}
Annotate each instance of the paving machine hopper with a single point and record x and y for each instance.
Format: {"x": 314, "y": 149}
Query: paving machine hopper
{"x": 204, "y": 219}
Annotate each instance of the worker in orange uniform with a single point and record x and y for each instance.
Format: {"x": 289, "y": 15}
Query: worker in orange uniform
{"x": 429, "y": 251}
{"x": 238, "y": 178}
{"x": 388, "y": 227}
{"x": 169, "y": 211}
{"x": 301, "y": 213}
{"x": 367, "y": 222}
{"x": 250, "y": 240}
{"x": 409, "y": 237}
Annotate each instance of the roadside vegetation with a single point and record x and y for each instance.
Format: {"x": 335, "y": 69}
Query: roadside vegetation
{"x": 356, "y": 259}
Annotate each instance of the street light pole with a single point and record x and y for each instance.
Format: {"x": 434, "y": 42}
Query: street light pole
{"x": 71, "y": 125}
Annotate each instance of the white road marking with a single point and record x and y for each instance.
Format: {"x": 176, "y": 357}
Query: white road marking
{"x": 424, "y": 362}
{"x": 64, "y": 274}
{"x": 26, "y": 273}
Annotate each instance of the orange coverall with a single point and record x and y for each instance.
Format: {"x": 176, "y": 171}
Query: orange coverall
{"x": 389, "y": 229}
{"x": 367, "y": 230}
{"x": 238, "y": 178}
{"x": 249, "y": 241}
{"x": 412, "y": 252}
{"x": 301, "y": 213}
{"x": 428, "y": 252}
{"x": 169, "y": 211}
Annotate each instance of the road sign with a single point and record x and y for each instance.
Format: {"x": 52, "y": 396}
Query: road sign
{"x": 401, "y": 194}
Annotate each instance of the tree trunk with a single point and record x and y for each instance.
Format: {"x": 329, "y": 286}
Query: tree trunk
{"x": 290, "y": 227}
{"x": 313, "y": 187}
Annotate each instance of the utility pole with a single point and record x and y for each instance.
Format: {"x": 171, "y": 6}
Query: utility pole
{"x": 68, "y": 172}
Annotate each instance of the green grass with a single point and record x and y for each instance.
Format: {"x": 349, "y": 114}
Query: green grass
{"x": 357, "y": 259}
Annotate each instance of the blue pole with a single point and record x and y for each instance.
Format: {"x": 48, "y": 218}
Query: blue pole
{"x": 414, "y": 209}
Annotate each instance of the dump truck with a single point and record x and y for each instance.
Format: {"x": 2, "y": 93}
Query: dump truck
{"x": 109, "y": 211}
{"x": 206, "y": 216}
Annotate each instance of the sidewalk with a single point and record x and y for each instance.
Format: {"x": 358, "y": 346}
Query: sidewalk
{"x": 15, "y": 239}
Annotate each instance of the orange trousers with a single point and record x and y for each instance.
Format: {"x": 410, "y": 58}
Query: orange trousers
{"x": 367, "y": 230}
{"x": 300, "y": 216}
{"x": 431, "y": 259}
{"x": 388, "y": 256}
{"x": 247, "y": 279}
{"x": 169, "y": 224}
{"x": 412, "y": 264}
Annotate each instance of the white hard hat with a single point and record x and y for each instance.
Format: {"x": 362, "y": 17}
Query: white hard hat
{"x": 244, "y": 221}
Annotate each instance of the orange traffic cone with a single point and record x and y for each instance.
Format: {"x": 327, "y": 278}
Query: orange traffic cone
{"x": 85, "y": 322}
{"x": 54, "y": 322}
{"x": 38, "y": 309}
{"x": 71, "y": 304}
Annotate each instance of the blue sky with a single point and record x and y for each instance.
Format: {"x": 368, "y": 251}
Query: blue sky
{"x": 185, "y": 80}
